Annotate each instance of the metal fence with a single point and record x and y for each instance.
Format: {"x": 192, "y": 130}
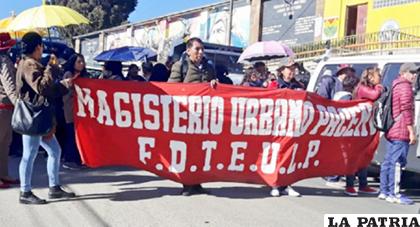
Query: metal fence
{"x": 389, "y": 40}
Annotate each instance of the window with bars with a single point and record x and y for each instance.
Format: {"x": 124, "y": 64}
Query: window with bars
{"x": 387, "y": 3}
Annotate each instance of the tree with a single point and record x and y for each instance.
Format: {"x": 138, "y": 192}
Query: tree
{"x": 101, "y": 13}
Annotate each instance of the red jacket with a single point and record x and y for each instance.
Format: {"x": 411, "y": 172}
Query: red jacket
{"x": 369, "y": 93}
{"x": 402, "y": 109}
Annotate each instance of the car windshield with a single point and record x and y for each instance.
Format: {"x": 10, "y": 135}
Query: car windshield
{"x": 358, "y": 67}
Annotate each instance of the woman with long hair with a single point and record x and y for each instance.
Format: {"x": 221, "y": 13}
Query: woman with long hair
{"x": 369, "y": 88}
{"x": 74, "y": 67}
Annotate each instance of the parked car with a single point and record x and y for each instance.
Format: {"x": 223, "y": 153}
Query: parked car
{"x": 389, "y": 65}
{"x": 94, "y": 72}
{"x": 218, "y": 54}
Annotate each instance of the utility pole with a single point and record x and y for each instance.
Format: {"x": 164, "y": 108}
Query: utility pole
{"x": 256, "y": 20}
{"x": 229, "y": 27}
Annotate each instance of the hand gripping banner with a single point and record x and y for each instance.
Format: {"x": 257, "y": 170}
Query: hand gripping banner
{"x": 192, "y": 133}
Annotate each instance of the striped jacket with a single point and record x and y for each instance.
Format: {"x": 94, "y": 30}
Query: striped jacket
{"x": 7, "y": 82}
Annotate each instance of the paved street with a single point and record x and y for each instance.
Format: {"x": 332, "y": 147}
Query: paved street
{"x": 128, "y": 197}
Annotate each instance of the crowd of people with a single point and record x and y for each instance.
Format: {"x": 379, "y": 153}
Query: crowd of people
{"x": 37, "y": 83}
{"x": 346, "y": 85}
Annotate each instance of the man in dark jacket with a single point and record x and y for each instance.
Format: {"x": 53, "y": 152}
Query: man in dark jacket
{"x": 194, "y": 68}
{"x": 329, "y": 85}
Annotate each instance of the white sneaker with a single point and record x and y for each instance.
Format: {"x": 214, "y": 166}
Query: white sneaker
{"x": 400, "y": 199}
{"x": 275, "y": 192}
{"x": 290, "y": 192}
{"x": 382, "y": 196}
{"x": 391, "y": 199}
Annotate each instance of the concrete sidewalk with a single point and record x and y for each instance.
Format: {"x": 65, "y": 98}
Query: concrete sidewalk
{"x": 121, "y": 196}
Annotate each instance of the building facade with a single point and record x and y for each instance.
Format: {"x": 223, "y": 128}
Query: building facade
{"x": 209, "y": 23}
{"x": 299, "y": 23}
{"x": 292, "y": 22}
{"x": 354, "y": 17}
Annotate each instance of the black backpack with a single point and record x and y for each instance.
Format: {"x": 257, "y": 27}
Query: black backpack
{"x": 184, "y": 67}
{"x": 382, "y": 111}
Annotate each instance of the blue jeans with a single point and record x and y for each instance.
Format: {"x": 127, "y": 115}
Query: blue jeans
{"x": 396, "y": 152}
{"x": 30, "y": 151}
{"x": 362, "y": 175}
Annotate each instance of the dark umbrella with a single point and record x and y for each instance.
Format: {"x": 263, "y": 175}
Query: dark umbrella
{"x": 127, "y": 53}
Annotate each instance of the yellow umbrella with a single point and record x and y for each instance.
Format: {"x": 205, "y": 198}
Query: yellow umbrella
{"x": 46, "y": 16}
{"x": 4, "y": 23}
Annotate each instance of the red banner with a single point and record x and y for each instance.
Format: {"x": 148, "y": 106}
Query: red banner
{"x": 192, "y": 133}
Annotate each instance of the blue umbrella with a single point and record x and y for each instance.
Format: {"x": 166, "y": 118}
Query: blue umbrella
{"x": 127, "y": 53}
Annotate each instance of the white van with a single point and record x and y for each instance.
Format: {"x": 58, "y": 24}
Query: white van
{"x": 389, "y": 65}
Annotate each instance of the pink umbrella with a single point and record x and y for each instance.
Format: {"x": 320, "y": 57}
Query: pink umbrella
{"x": 265, "y": 50}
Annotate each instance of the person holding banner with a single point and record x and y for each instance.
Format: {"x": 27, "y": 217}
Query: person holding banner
{"x": 75, "y": 66}
{"x": 369, "y": 88}
{"x": 287, "y": 80}
{"x": 193, "y": 69}
{"x": 287, "y": 76}
{"x": 327, "y": 87}
{"x": 37, "y": 84}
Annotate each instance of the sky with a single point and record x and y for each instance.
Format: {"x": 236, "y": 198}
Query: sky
{"x": 146, "y": 9}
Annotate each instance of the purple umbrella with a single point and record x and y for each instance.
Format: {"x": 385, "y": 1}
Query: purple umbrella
{"x": 265, "y": 50}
